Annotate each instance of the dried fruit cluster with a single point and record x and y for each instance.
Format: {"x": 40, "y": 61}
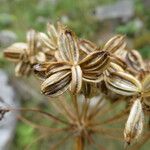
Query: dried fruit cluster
{"x": 66, "y": 63}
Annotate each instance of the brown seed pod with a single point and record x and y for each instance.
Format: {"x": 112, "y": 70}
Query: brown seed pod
{"x": 116, "y": 43}
{"x": 134, "y": 60}
{"x": 25, "y": 54}
{"x": 87, "y": 46}
{"x": 49, "y": 40}
{"x": 134, "y": 125}
{"x": 76, "y": 82}
{"x": 15, "y": 52}
{"x": 56, "y": 84}
{"x": 123, "y": 83}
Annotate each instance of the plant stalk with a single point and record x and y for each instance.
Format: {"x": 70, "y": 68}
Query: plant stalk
{"x": 79, "y": 143}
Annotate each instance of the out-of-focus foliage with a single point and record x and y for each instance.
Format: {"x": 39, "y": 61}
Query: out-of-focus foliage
{"x": 25, "y": 135}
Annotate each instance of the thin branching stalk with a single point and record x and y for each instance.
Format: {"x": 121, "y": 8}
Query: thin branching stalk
{"x": 76, "y": 107}
{"x": 96, "y": 108}
{"x": 116, "y": 118}
{"x": 34, "y": 125}
{"x": 109, "y": 133}
{"x": 67, "y": 109}
{"x": 42, "y": 112}
{"x": 64, "y": 111}
{"x": 103, "y": 110}
{"x": 38, "y": 139}
{"x": 55, "y": 146}
{"x": 139, "y": 144}
{"x": 85, "y": 108}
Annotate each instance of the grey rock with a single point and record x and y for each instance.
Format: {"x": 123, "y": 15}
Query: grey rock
{"x": 7, "y": 38}
{"x": 146, "y": 4}
{"x": 8, "y": 123}
{"x": 123, "y": 9}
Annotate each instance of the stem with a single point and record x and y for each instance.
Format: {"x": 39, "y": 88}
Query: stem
{"x": 64, "y": 111}
{"x": 96, "y": 108}
{"x": 79, "y": 143}
{"x": 67, "y": 109}
{"x": 41, "y": 112}
{"x": 103, "y": 110}
{"x": 62, "y": 141}
{"x": 75, "y": 103}
{"x": 85, "y": 109}
{"x": 115, "y": 119}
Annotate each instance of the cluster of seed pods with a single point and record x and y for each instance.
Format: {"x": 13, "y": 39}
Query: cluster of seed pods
{"x": 65, "y": 62}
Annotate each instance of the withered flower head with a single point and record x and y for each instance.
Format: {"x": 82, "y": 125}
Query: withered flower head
{"x": 25, "y": 54}
{"x": 70, "y": 71}
{"x": 66, "y": 63}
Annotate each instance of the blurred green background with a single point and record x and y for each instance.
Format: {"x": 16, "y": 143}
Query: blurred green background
{"x": 18, "y": 16}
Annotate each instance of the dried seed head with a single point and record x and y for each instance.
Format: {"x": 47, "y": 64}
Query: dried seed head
{"x": 134, "y": 60}
{"x": 32, "y": 42}
{"x": 94, "y": 65}
{"x": 41, "y": 70}
{"x": 119, "y": 61}
{"x": 25, "y": 54}
{"x": 134, "y": 124}
{"x": 87, "y": 46}
{"x": 35, "y": 55}
{"x": 68, "y": 46}
{"x": 52, "y": 32}
{"x": 15, "y": 52}
{"x": 46, "y": 42}
{"x": 49, "y": 40}
{"x": 22, "y": 68}
{"x": 76, "y": 82}
{"x": 115, "y": 44}
{"x": 56, "y": 84}
{"x": 113, "y": 67}
{"x": 40, "y": 57}
{"x": 123, "y": 83}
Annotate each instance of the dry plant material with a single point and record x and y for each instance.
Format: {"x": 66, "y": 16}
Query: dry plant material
{"x": 25, "y": 54}
{"x": 96, "y": 80}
